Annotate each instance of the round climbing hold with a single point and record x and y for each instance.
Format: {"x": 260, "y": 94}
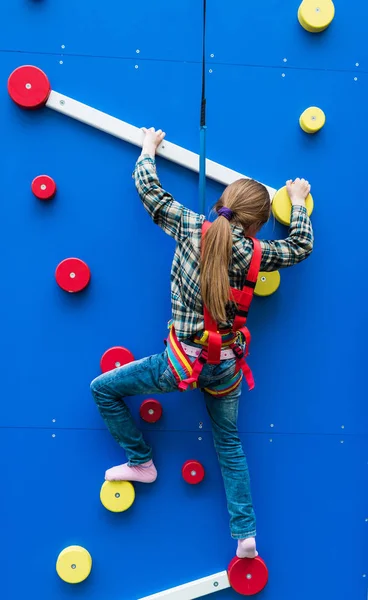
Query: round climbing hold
{"x": 281, "y": 206}
{"x": 316, "y": 15}
{"x": 267, "y": 283}
{"x": 115, "y": 357}
{"x": 151, "y": 410}
{"x": 44, "y": 187}
{"x": 29, "y": 87}
{"x": 117, "y": 496}
{"x": 312, "y": 119}
{"x": 72, "y": 275}
{"x": 74, "y": 564}
{"x": 247, "y": 576}
{"x": 192, "y": 472}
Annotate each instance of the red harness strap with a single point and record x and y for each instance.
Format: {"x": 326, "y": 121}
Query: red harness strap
{"x": 243, "y": 298}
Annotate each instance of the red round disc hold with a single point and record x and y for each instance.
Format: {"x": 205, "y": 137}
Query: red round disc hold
{"x": 29, "y": 87}
{"x": 151, "y": 410}
{"x": 115, "y": 357}
{"x": 44, "y": 187}
{"x": 72, "y": 275}
{"x": 247, "y": 576}
{"x": 192, "y": 472}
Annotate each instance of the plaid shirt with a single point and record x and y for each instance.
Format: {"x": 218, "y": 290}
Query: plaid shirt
{"x": 185, "y": 227}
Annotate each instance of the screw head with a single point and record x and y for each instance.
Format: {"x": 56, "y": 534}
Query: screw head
{"x": 72, "y": 275}
{"x": 117, "y": 364}
{"x": 117, "y": 495}
{"x": 73, "y": 566}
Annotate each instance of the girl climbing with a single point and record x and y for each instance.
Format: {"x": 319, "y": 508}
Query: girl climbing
{"x": 207, "y": 338}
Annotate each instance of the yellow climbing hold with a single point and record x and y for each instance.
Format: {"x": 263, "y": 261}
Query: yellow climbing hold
{"x": 267, "y": 283}
{"x": 281, "y": 206}
{"x": 117, "y": 496}
{"x": 312, "y": 119}
{"x": 316, "y": 15}
{"x": 74, "y": 564}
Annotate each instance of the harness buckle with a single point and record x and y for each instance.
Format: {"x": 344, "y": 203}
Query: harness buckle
{"x": 238, "y": 351}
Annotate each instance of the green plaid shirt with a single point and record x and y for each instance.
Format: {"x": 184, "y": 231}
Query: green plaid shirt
{"x": 185, "y": 227}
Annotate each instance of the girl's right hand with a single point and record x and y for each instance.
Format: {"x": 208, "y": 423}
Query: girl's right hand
{"x": 298, "y": 190}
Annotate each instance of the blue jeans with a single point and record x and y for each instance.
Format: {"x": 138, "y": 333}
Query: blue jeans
{"x": 152, "y": 375}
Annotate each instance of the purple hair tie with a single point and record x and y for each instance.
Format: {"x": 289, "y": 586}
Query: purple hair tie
{"x": 225, "y": 212}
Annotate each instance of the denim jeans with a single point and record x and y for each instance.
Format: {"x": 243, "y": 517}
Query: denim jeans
{"x": 152, "y": 375}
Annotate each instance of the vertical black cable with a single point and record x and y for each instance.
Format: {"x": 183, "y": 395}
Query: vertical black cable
{"x": 202, "y": 155}
{"x": 203, "y": 97}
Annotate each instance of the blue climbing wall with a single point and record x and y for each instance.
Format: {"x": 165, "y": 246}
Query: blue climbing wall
{"x": 305, "y": 427}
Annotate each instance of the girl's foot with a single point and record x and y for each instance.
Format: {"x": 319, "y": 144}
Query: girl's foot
{"x": 247, "y": 548}
{"x": 145, "y": 473}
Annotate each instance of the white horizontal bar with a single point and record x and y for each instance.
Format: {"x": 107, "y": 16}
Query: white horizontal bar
{"x": 129, "y": 133}
{"x": 194, "y": 589}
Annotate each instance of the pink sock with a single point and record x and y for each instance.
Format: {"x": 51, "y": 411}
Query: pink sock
{"x": 247, "y": 548}
{"x": 145, "y": 473}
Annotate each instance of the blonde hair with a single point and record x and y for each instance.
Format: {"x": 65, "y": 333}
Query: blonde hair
{"x": 250, "y": 204}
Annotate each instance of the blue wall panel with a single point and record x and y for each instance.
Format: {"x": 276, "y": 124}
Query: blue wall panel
{"x": 254, "y": 33}
{"x": 161, "y": 29}
{"x": 308, "y": 502}
{"x": 308, "y": 354}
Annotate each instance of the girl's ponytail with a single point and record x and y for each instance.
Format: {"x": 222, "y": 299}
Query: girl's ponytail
{"x": 245, "y": 203}
{"x": 215, "y": 285}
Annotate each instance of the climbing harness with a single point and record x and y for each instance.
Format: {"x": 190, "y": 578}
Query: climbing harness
{"x": 186, "y": 362}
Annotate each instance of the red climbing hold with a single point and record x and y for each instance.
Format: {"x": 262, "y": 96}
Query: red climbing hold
{"x": 44, "y": 187}
{"x": 29, "y": 87}
{"x": 115, "y": 357}
{"x": 151, "y": 410}
{"x": 247, "y": 576}
{"x": 192, "y": 471}
{"x": 72, "y": 275}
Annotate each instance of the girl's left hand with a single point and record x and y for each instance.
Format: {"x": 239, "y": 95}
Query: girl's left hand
{"x": 152, "y": 139}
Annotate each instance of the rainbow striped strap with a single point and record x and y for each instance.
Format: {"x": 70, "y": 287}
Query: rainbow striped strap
{"x": 225, "y": 388}
{"x": 180, "y": 364}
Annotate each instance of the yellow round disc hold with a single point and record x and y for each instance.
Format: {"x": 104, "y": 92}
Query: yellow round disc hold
{"x": 267, "y": 283}
{"x": 316, "y": 15}
{"x": 117, "y": 496}
{"x": 74, "y": 564}
{"x": 312, "y": 119}
{"x": 281, "y": 206}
